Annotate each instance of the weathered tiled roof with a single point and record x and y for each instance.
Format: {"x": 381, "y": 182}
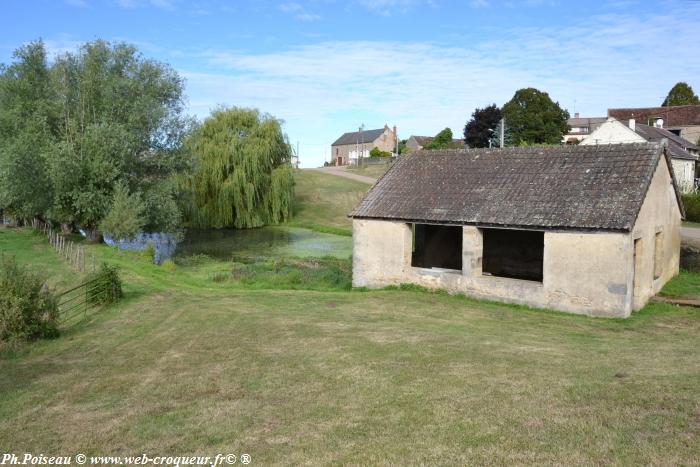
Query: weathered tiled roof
{"x": 425, "y": 140}
{"x": 676, "y": 145}
{"x": 562, "y": 187}
{"x": 678, "y": 115}
{"x": 366, "y": 136}
{"x": 587, "y": 122}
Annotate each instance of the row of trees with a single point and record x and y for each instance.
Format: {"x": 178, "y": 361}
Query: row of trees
{"x": 532, "y": 117}
{"x": 98, "y": 140}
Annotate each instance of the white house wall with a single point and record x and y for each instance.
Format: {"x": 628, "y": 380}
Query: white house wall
{"x": 612, "y": 132}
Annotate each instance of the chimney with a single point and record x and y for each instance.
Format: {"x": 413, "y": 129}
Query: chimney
{"x": 632, "y": 125}
{"x": 577, "y": 115}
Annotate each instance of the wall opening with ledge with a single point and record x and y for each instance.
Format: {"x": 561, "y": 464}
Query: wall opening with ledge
{"x": 518, "y": 254}
{"x": 437, "y": 246}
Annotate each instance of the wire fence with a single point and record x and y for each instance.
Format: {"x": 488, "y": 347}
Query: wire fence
{"x": 65, "y": 247}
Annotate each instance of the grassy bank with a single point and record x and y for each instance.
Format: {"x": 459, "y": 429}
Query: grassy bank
{"x": 373, "y": 170}
{"x": 192, "y": 363}
{"x": 322, "y": 202}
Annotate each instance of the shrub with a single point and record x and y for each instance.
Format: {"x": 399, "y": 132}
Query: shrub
{"x": 376, "y": 152}
{"x": 28, "y": 310}
{"x": 692, "y": 207}
{"x": 111, "y": 283}
{"x": 125, "y": 218}
{"x": 149, "y": 252}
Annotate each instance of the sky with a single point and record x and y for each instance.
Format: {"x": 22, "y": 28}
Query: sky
{"x": 325, "y": 67}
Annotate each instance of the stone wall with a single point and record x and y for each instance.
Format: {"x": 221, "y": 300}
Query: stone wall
{"x": 385, "y": 142}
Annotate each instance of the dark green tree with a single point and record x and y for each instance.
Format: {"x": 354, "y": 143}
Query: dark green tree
{"x": 481, "y": 127}
{"x": 442, "y": 140}
{"x": 534, "y": 118}
{"x": 242, "y": 175}
{"x": 681, "y": 94}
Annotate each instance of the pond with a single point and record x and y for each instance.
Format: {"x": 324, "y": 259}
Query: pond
{"x": 279, "y": 241}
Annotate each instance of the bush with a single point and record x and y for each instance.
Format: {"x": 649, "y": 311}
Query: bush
{"x": 692, "y": 207}
{"x": 376, "y": 152}
{"x": 28, "y": 310}
{"x": 111, "y": 282}
{"x": 125, "y": 218}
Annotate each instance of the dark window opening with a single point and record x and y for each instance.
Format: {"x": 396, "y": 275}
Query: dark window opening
{"x": 437, "y": 246}
{"x": 518, "y": 254}
{"x": 658, "y": 255}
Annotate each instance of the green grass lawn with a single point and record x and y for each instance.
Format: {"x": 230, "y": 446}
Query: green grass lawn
{"x": 373, "y": 170}
{"x": 691, "y": 224}
{"x": 322, "y": 201}
{"x": 189, "y": 362}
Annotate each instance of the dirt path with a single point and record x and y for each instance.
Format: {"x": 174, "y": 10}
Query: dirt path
{"x": 341, "y": 172}
{"x": 692, "y": 233}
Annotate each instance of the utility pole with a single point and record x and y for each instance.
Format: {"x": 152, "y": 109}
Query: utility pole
{"x": 503, "y": 132}
{"x": 359, "y": 157}
{"x": 396, "y": 137}
{"x": 297, "y": 165}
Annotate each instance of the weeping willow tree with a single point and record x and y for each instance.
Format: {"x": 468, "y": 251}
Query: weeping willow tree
{"x": 242, "y": 177}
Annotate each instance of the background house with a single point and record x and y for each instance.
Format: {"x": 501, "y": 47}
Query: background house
{"x": 346, "y": 149}
{"x": 580, "y": 127}
{"x": 416, "y": 143}
{"x": 683, "y": 153}
{"x": 586, "y": 229}
{"x": 683, "y": 120}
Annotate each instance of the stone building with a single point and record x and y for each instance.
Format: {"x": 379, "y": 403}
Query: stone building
{"x": 580, "y": 127}
{"x": 345, "y": 150}
{"x": 585, "y": 229}
{"x": 684, "y": 154}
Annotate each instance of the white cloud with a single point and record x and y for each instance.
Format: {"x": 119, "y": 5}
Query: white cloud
{"x": 324, "y": 89}
{"x": 299, "y": 12}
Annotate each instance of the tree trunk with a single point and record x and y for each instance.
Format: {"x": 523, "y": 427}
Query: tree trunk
{"x": 92, "y": 235}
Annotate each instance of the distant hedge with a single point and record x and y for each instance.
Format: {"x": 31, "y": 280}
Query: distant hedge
{"x": 28, "y": 310}
{"x": 692, "y": 207}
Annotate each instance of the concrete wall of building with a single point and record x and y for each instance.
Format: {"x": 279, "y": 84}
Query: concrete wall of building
{"x": 582, "y": 272}
{"x": 690, "y": 133}
{"x": 612, "y": 132}
{"x": 412, "y": 144}
{"x": 385, "y": 142}
{"x": 684, "y": 170}
{"x": 659, "y": 214}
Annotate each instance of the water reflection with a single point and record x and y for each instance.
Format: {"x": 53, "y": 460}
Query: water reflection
{"x": 226, "y": 244}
